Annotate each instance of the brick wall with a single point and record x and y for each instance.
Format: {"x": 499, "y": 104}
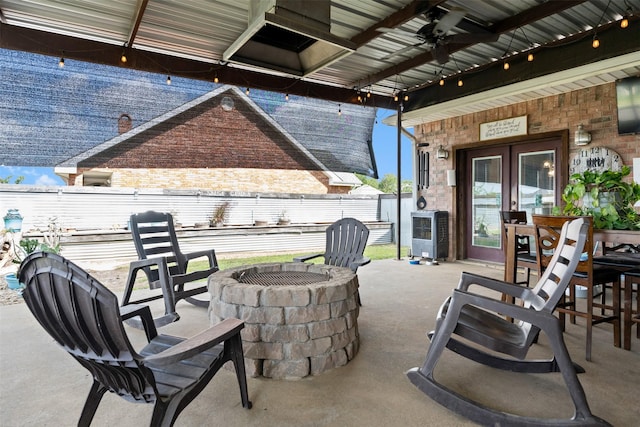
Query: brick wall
{"x": 211, "y": 148}
{"x": 594, "y": 107}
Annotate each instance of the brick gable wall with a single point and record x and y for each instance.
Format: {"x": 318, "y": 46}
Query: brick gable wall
{"x": 210, "y": 148}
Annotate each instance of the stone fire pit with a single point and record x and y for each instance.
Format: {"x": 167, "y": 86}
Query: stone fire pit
{"x": 300, "y": 319}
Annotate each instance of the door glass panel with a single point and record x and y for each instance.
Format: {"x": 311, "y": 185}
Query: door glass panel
{"x": 486, "y": 202}
{"x": 536, "y": 182}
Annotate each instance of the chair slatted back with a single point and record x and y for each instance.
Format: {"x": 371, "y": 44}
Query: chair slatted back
{"x": 82, "y": 315}
{"x": 547, "y": 234}
{"x": 559, "y": 271}
{"x": 154, "y": 236}
{"x": 346, "y": 241}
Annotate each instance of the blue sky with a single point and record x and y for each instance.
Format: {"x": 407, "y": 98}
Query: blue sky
{"x": 125, "y": 86}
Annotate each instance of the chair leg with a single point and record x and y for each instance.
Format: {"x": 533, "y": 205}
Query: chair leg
{"x": 237, "y": 357}
{"x": 589, "y": 318}
{"x": 91, "y": 405}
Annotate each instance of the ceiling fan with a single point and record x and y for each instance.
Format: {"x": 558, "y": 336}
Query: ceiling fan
{"x": 433, "y": 35}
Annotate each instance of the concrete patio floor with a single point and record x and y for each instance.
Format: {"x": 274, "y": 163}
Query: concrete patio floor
{"x": 42, "y": 385}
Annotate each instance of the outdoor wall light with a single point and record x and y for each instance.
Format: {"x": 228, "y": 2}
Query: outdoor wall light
{"x": 442, "y": 153}
{"x": 451, "y": 177}
{"x": 582, "y": 137}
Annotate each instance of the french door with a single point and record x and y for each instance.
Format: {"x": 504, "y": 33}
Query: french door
{"x": 508, "y": 177}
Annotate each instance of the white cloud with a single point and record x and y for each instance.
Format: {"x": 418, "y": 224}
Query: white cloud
{"x": 47, "y": 180}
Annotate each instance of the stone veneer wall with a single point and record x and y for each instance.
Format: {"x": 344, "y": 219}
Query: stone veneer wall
{"x": 290, "y": 331}
{"x": 228, "y": 179}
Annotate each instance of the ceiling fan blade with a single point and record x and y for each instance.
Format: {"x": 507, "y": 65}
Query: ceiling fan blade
{"x": 469, "y": 38}
{"x": 449, "y": 21}
{"x": 397, "y": 32}
{"x": 441, "y": 54}
{"x": 401, "y": 51}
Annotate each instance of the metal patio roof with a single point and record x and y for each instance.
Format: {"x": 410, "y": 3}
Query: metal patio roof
{"x": 189, "y": 38}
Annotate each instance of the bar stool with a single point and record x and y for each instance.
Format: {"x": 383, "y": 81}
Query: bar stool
{"x": 547, "y": 233}
{"x": 524, "y": 257}
{"x": 631, "y": 313}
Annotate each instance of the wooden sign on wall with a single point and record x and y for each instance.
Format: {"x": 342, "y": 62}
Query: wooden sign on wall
{"x": 503, "y": 128}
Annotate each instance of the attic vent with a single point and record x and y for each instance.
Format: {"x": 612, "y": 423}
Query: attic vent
{"x": 291, "y": 36}
{"x": 124, "y": 123}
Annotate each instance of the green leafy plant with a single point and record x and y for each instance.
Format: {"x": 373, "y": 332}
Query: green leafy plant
{"x": 605, "y": 196}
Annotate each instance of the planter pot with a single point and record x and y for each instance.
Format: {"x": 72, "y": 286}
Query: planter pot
{"x": 604, "y": 199}
{"x": 12, "y": 281}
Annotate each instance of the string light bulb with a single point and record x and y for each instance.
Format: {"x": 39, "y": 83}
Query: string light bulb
{"x": 286, "y": 97}
{"x": 247, "y": 91}
{"x": 595, "y": 43}
{"x": 369, "y": 93}
{"x": 61, "y": 62}
{"x": 395, "y": 97}
{"x": 505, "y": 65}
{"x": 441, "y": 82}
{"x": 339, "y": 110}
{"x": 460, "y": 82}
{"x": 530, "y": 57}
{"x": 406, "y": 97}
{"x": 215, "y": 78}
{"x": 168, "y": 80}
{"x": 624, "y": 23}
{"x": 123, "y": 58}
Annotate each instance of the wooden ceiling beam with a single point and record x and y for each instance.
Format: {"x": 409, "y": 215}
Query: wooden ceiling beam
{"x": 57, "y": 45}
{"x": 523, "y": 18}
{"x": 398, "y": 18}
{"x": 136, "y": 22}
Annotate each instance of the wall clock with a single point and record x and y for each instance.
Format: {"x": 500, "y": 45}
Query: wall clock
{"x": 596, "y": 159}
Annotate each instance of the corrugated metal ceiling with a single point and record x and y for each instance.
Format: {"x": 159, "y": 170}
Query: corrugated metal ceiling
{"x": 203, "y": 29}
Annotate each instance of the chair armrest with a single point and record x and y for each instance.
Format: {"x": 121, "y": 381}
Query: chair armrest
{"x": 135, "y": 266}
{"x": 515, "y": 311}
{"x": 210, "y": 254}
{"x": 359, "y": 262}
{"x": 306, "y": 257}
{"x": 196, "y": 344}
{"x": 144, "y": 312}
{"x": 511, "y": 289}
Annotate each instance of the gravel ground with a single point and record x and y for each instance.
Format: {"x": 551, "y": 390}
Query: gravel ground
{"x": 113, "y": 277}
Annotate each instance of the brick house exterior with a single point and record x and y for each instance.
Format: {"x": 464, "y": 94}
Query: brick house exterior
{"x": 595, "y": 107}
{"x": 221, "y": 141}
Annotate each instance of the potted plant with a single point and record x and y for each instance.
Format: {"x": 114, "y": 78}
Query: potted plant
{"x": 284, "y": 218}
{"x": 605, "y": 196}
{"x": 220, "y": 214}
